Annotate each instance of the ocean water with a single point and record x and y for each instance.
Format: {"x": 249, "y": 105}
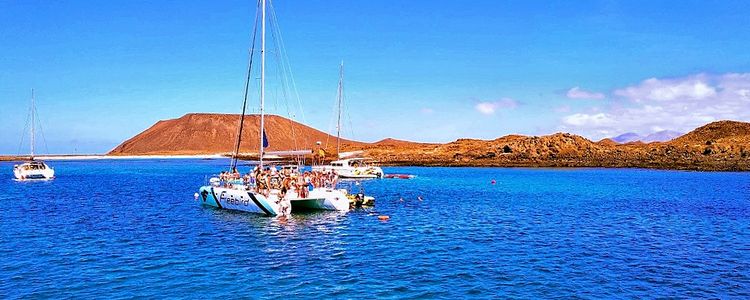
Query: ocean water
{"x": 121, "y": 229}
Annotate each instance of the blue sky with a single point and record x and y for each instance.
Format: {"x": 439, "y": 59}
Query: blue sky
{"x": 418, "y": 70}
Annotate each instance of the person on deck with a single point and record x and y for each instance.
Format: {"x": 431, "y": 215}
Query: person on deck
{"x": 299, "y": 185}
{"x": 321, "y": 155}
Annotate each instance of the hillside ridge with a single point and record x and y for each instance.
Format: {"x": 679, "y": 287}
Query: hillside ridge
{"x": 722, "y": 145}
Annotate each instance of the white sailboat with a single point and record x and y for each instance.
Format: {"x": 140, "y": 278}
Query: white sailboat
{"x": 33, "y": 169}
{"x": 236, "y": 193}
{"x": 353, "y": 168}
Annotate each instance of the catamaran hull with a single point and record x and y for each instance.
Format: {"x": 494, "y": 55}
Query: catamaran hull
{"x": 352, "y": 176}
{"x": 234, "y": 199}
{"x": 34, "y": 174}
{"x": 322, "y": 199}
{"x": 352, "y": 173}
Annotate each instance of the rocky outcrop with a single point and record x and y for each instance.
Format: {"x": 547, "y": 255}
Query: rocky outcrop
{"x": 723, "y": 145}
{"x": 717, "y": 146}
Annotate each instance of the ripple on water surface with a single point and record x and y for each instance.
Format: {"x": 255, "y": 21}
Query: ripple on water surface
{"x": 124, "y": 228}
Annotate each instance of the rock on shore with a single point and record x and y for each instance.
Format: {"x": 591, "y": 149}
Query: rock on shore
{"x": 723, "y": 145}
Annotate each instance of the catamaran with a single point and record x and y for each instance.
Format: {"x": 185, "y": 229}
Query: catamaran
{"x": 354, "y": 168}
{"x": 33, "y": 169}
{"x": 258, "y": 193}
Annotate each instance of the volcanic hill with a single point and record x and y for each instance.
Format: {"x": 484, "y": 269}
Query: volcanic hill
{"x": 723, "y": 145}
{"x": 197, "y": 133}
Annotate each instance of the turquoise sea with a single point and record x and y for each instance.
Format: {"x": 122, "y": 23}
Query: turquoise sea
{"x": 131, "y": 228}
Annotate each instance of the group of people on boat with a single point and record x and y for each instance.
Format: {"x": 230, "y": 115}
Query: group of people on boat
{"x": 32, "y": 166}
{"x": 269, "y": 178}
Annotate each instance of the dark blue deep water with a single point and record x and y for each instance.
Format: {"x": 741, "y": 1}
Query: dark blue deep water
{"x": 131, "y": 228}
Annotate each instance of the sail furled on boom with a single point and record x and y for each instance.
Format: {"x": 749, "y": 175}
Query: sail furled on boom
{"x": 265, "y": 139}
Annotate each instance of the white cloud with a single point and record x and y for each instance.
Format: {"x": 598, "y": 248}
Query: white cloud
{"x": 680, "y": 104}
{"x": 486, "y": 108}
{"x": 426, "y": 111}
{"x": 489, "y": 108}
{"x": 692, "y": 87}
{"x": 579, "y": 119}
{"x": 578, "y": 93}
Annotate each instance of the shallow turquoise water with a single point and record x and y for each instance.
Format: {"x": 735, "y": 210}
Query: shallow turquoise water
{"x": 131, "y": 228}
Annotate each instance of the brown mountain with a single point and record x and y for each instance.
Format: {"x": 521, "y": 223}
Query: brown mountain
{"x": 216, "y": 133}
{"x": 723, "y": 145}
{"x": 717, "y": 139}
{"x": 721, "y": 131}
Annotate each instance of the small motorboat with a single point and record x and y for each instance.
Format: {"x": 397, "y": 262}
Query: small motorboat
{"x": 399, "y": 176}
{"x": 360, "y": 200}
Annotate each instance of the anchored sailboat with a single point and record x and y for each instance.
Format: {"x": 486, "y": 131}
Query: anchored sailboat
{"x": 354, "y": 168}
{"x": 266, "y": 190}
{"x": 33, "y": 169}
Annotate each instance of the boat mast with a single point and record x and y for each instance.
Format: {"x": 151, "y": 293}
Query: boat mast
{"x": 262, "y": 78}
{"x": 33, "y": 112}
{"x": 340, "y": 99}
{"x": 235, "y": 154}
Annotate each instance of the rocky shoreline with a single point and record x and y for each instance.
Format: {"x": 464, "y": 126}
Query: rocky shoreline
{"x": 717, "y": 146}
{"x": 730, "y": 166}
{"x": 700, "y": 150}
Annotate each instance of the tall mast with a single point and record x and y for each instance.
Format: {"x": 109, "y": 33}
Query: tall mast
{"x": 33, "y": 112}
{"x": 340, "y": 99}
{"x": 262, "y": 77}
{"x": 235, "y": 154}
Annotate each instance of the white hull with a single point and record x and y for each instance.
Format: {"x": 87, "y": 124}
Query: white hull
{"x": 352, "y": 172}
{"x": 272, "y": 205}
{"x": 31, "y": 171}
{"x": 358, "y": 176}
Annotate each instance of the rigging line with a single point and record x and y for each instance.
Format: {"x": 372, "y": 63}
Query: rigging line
{"x": 340, "y": 104}
{"x": 285, "y": 96}
{"x": 23, "y": 133}
{"x": 332, "y": 119}
{"x": 281, "y": 75}
{"x": 233, "y": 163}
{"x": 41, "y": 131}
{"x": 285, "y": 67}
{"x": 345, "y": 107}
{"x": 285, "y": 82}
{"x": 276, "y": 32}
{"x": 291, "y": 74}
{"x": 351, "y": 126}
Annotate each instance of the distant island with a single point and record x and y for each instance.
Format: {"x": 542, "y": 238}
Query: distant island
{"x": 659, "y": 136}
{"x": 717, "y": 146}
